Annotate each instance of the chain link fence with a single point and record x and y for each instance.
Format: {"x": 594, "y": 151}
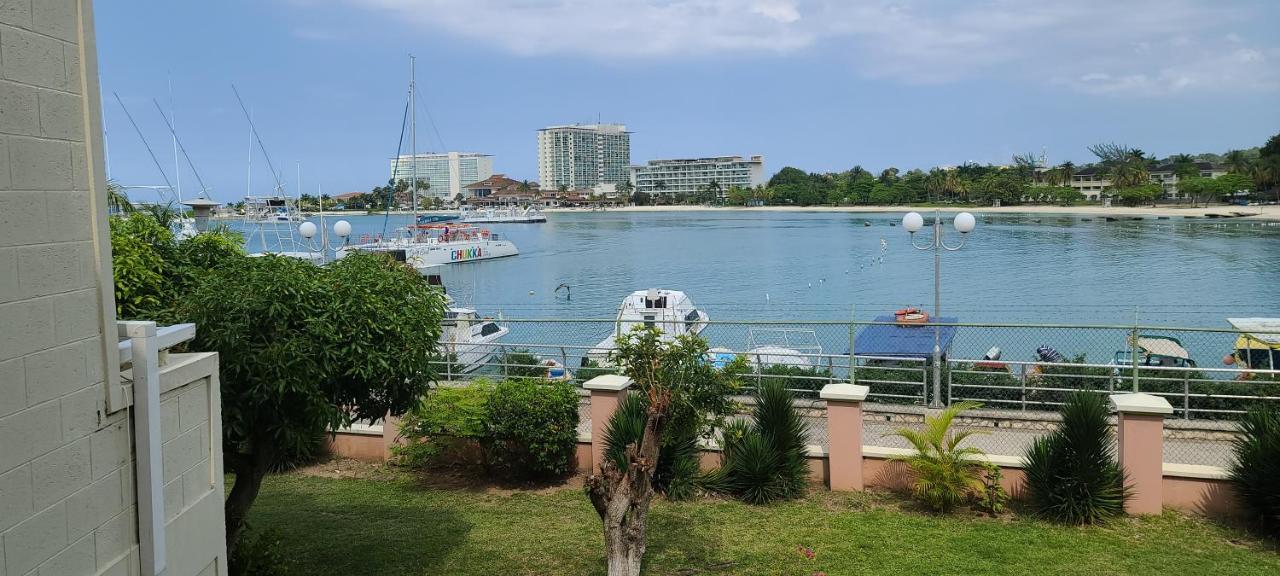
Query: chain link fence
{"x": 1021, "y": 374}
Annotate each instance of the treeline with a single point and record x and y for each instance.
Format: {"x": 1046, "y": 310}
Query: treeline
{"x": 1254, "y": 172}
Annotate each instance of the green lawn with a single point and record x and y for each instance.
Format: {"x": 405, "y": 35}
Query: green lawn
{"x": 394, "y": 524}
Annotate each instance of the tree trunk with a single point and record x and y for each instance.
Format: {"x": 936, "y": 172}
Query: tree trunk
{"x": 622, "y": 497}
{"x": 250, "y": 470}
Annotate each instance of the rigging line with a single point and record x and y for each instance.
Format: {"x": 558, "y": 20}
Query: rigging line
{"x": 254, "y": 130}
{"x": 432, "y": 120}
{"x": 395, "y": 165}
{"x": 144, "y": 142}
{"x": 203, "y": 189}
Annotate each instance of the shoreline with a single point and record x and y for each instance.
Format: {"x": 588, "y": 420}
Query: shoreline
{"x": 1252, "y": 212}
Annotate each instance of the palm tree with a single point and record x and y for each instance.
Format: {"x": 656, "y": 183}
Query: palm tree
{"x": 713, "y": 190}
{"x": 1237, "y": 162}
{"x": 117, "y": 201}
{"x": 935, "y": 183}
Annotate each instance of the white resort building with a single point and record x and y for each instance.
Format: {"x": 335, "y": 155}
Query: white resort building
{"x": 583, "y": 155}
{"x": 692, "y": 175}
{"x": 1093, "y": 183}
{"x": 447, "y": 173}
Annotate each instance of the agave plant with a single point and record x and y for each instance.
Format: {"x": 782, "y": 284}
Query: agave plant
{"x": 1256, "y": 469}
{"x": 1072, "y": 474}
{"x": 763, "y": 460}
{"x": 945, "y": 473}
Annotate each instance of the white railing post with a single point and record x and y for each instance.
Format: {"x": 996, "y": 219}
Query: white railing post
{"x": 147, "y": 456}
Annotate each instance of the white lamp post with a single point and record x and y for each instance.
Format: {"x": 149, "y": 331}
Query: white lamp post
{"x": 964, "y": 224}
{"x": 308, "y": 231}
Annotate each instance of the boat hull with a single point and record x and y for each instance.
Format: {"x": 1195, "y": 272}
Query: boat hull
{"x": 426, "y": 256}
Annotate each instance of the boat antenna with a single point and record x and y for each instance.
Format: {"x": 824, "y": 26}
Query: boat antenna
{"x": 203, "y": 189}
{"x": 144, "y": 141}
{"x": 254, "y": 131}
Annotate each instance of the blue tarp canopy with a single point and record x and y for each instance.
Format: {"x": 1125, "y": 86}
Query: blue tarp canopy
{"x": 903, "y": 341}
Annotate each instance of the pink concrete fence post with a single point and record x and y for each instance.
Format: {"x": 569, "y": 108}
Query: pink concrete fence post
{"x": 607, "y": 392}
{"x": 844, "y": 434}
{"x": 1140, "y": 424}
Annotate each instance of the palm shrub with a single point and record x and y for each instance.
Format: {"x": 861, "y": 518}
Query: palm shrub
{"x": 946, "y": 474}
{"x": 1255, "y": 473}
{"x": 764, "y": 460}
{"x": 1072, "y": 474}
{"x": 677, "y": 470}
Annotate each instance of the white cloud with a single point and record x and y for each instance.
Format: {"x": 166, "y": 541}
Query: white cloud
{"x": 1139, "y": 47}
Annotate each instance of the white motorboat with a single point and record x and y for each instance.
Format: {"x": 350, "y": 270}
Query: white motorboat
{"x": 670, "y": 311}
{"x": 509, "y": 215}
{"x": 425, "y": 246}
{"x": 470, "y": 339}
{"x": 782, "y": 347}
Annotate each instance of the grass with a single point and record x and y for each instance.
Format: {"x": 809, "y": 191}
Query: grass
{"x": 393, "y": 523}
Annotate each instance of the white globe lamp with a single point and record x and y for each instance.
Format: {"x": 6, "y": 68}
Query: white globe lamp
{"x": 913, "y": 222}
{"x": 342, "y": 228}
{"x": 964, "y": 223}
{"x": 307, "y": 230}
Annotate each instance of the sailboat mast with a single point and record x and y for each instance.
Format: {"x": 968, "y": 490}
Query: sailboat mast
{"x": 173, "y": 127}
{"x": 248, "y": 180}
{"x": 413, "y": 137}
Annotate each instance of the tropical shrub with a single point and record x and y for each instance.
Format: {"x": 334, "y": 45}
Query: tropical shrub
{"x": 945, "y": 474}
{"x": 258, "y": 553}
{"x": 1255, "y": 473}
{"x": 764, "y": 460}
{"x": 522, "y": 364}
{"x": 705, "y": 406}
{"x": 1072, "y": 474}
{"x": 444, "y": 424}
{"x": 532, "y": 428}
{"x": 993, "y": 498}
{"x": 303, "y": 350}
{"x": 152, "y": 267}
{"x": 796, "y": 377}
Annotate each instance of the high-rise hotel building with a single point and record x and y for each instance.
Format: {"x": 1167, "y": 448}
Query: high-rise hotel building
{"x": 447, "y": 173}
{"x": 583, "y": 155}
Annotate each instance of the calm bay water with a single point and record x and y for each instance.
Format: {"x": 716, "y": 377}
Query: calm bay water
{"x": 793, "y": 265}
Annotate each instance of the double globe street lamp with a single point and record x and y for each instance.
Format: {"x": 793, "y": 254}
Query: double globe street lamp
{"x": 308, "y": 231}
{"x": 964, "y": 224}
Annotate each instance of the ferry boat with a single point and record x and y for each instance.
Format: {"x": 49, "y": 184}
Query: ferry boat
{"x": 670, "y": 311}
{"x": 427, "y": 245}
{"x": 510, "y": 215}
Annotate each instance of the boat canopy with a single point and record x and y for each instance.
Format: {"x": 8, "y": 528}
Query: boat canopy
{"x": 1265, "y": 332}
{"x": 903, "y": 341}
{"x": 1163, "y": 346}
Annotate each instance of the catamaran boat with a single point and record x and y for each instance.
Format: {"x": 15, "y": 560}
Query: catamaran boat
{"x": 427, "y": 245}
{"x": 510, "y": 215}
{"x": 670, "y": 311}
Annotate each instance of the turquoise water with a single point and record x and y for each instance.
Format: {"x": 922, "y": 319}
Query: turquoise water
{"x": 794, "y": 265}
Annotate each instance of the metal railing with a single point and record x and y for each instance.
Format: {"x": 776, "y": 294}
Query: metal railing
{"x": 1017, "y": 380}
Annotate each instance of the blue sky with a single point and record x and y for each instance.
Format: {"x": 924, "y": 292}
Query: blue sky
{"x": 821, "y": 85}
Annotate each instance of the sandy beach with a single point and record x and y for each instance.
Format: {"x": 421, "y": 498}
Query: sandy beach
{"x": 1253, "y": 212}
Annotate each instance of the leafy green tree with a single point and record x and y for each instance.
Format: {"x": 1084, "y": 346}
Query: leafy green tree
{"x": 1200, "y": 189}
{"x": 304, "y": 350}
{"x": 673, "y": 379}
{"x": 1137, "y": 195}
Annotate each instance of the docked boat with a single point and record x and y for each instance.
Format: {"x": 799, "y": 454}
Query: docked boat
{"x": 1155, "y": 350}
{"x": 1258, "y": 346}
{"x": 427, "y": 245}
{"x": 469, "y": 339}
{"x": 436, "y": 218}
{"x": 509, "y": 215}
{"x": 670, "y": 311}
{"x": 782, "y": 347}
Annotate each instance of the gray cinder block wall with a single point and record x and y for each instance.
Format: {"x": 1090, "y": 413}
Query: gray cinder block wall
{"x": 67, "y": 489}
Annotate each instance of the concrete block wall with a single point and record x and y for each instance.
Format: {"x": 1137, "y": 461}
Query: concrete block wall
{"x": 67, "y": 488}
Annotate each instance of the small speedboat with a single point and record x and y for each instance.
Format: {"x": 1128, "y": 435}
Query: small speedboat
{"x": 672, "y": 312}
